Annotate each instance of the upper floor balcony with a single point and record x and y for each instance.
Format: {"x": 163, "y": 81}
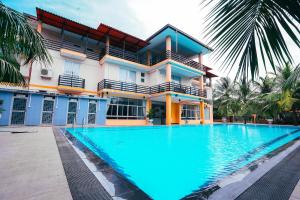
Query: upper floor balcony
{"x": 58, "y": 45}
{"x": 178, "y": 58}
{"x": 124, "y": 54}
{"x": 70, "y": 83}
{"x": 122, "y": 86}
{"x": 160, "y": 88}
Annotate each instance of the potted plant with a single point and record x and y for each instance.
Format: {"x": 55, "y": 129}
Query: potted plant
{"x": 150, "y": 116}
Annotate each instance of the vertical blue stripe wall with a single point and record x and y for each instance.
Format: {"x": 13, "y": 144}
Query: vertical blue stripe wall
{"x": 7, "y": 98}
{"x": 82, "y": 111}
{"x": 34, "y": 110}
{"x": 35, "y": 106}
{"x": 60, "y": 111}
{"x": 101, "y": 112}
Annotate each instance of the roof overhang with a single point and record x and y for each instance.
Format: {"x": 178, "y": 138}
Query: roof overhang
{"x": 184, "y": 41}
{"x": 117, "y": 37}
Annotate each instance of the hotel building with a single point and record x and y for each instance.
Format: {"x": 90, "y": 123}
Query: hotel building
{"x": 105, "y": 76}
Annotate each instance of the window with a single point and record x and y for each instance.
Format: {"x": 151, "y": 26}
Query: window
{"x": 124, "y": 108}
{"x": 142, "y": 77}
{"x": 72, "y": 67}
{"x": 127, "y": 76}
{"x": 190, "y": 112}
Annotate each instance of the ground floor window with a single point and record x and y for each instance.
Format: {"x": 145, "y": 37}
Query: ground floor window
{"x": 48, "y": 109}
{"x": 92, "y": 111}
{"x": 18, "y": 109}
{"x": 72, "y": 111}
{"x": 190, "y": 112}
{"x": 124, "y": 108}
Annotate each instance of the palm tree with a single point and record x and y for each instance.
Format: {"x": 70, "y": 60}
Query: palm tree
{"x": 222, "y": 95}
{"x": 245, "y": 96}
{"x": 265, "y": 85}
{"x": 248, "y": 30}
{"x": 18, "y": 41}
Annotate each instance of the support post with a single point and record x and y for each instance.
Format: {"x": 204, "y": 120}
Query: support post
{"x": 107, "y": 43}
{"x": 202, "y": 112}
{"x": 148, "y": 105}
{"x": 148, "y": 57}
{"x": 39, "y": 27}
{"x": 168, "y": 109}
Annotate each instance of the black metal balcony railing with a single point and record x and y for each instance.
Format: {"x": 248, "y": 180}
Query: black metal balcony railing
{"x": 57, "y": 45}
{"x": 122, "y": 86}
{"x": 163, "y": 87}
{"x": 179, "y": 88}
{"x": 71, "y": 81}
{"x": 124, "y": 54}
{"x": 185, "y": 60}
{"x": 177, "y": 57}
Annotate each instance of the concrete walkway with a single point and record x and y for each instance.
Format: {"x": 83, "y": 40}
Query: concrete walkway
{"x": 30, "y": 165}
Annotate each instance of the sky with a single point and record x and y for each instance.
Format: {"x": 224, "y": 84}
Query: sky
{"x": 140, "y": 18}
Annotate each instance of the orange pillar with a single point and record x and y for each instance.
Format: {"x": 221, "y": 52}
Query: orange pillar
{"x": 168, "y": 79}
{"x": 179, "y": 113}
{"x": 202, "y": 112}
{"x": 148, "y": 105}
{"x": 168, "y": 43}
{"x": 211, "y": 114}
{"x": 168, "y": 109}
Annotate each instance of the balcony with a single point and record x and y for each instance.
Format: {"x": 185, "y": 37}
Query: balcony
{"x": 178, "y": 58}
{"x": 58, "y": 45}
{"x": 122, "y": 86}
{"x": 178, "y": 88}
{"x": 164, "y": 87}
{"x": 124, "y": 54}
{"x": 70, "y": 83}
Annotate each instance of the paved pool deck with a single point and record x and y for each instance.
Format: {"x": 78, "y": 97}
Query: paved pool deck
{"x": 30, "y": 165}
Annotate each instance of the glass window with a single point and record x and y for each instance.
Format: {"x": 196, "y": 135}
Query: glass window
{"x": 142, "y": 77}
{"x": 132, "y": 77}
{"x": 124, "y": 108}
{"x": 71, "y": 67}
{"x": 123, "y": 75}
{"x": 127, "y": 76}
{"x": 190, "y": 112}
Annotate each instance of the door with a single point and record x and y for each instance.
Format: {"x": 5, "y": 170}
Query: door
{"x": 18, "y": 110}
{"x": 72, "y": 111}
{"x": 72, "y": 68}
{"x": 92, "y": 111}
{"x": 48, "y": 108}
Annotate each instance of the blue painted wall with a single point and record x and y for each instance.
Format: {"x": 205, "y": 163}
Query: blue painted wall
{"x": 101, "y": 112}
{"x": 34, "y": 109}
{"x": 60, "y": 111}
{"x": 7, "y": 103}
{"x": 82, "y": 111}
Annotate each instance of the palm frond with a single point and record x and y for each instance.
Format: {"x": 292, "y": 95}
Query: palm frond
{"x": 19, "y": 39}
{"x": 10, "y": 72}
{"x": 247, "y": 30}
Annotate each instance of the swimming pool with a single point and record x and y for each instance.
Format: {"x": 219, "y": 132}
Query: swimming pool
{"x": 170, "y": 162}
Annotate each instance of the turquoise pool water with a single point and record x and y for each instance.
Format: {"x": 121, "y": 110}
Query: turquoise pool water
{"x": 170, "y": 162}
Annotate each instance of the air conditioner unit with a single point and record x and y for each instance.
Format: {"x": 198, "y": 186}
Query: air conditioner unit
{"x": 46, "y": 73}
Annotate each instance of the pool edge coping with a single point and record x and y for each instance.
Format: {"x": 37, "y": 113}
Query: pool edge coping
{"x": 83, "y": 152}
{"x": 249, "y": 176}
